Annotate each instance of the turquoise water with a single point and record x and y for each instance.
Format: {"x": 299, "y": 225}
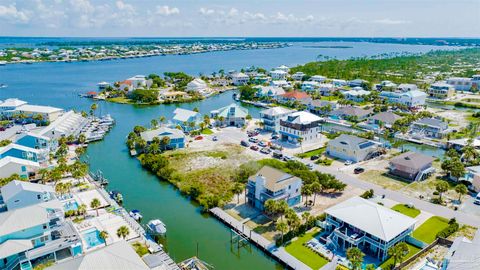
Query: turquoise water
{"x": 92, "y": 238}
{"x": 58, "y": 84}
{"x": 71, "y": 205}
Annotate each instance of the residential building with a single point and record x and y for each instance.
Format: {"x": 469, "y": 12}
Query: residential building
{"x": 23, "y": 152}
{"x": 278, "y": 75}
{"x": 473, "y": 176}
{"x": 386, "y": 85}
{"x": 326, "y": 89}
{"x": 26, "y": 169}
{"x": 102, "y": 86}
{"x": 283, "y": 68}
{"x": 309, "y": 86}
{"x": 269, "y": 91}
{"x": 351, "y": 112}
{"x": 356, "y": 95}
{"x": 463, "y": 254}
{"x": 183, "y": 118}
{"x": 412, "y": 99}
{"x": 48, "y": 113}
{"x": 34, "y": 140}
{"x": 321, "y": 107}
{"x": 298, "y": 76}
{"x": 300, "y": 127}
{"x": 177, "y": 138}
{"x": 412, "y": 166}
{"x": 172, "y": 95}
{"x": 273, "y": 184}
{"x": 69, "y": 123}
{"x": 19, "y": 194}
{"x": 339, "y": 83}
{"x": 293, "y": 96}
{"x": 366, "y": 225}
{"x": 357, "y": 83}
{"x": 231, "y": 115}
{"x": 197, "y": 85}
{"x": 353, "y": 148}
{"x": 140, "y": 81}
{"x": 441, "y": 90}
{"x": 281, "y": 83}
{"x": 406, "y": 87}
{"x": 318, "y": 78}
{"x": 271, "y": 118}
{"x": 383, "y": 119}
{"x": 239, "y": 79}
{"x": 261, "y": 79}
{"x": 11, "y": 104}
{"x": 430, "y": 127}
{"x": 460, "y": 84}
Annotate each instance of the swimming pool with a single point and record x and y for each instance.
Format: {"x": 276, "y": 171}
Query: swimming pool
{"x": 92, "y": 238}
{"x": 71, "y": 205}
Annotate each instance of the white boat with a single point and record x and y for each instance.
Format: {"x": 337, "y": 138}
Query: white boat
{"x": 156, "y": 227}
{"x": 135, "y": 214}
{"x": 3, "y": 63}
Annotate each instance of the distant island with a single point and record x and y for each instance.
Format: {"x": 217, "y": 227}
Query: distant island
{"x": 328, "y": 47}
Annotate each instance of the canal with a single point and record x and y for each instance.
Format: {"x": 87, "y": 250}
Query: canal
{"x": 58, "y": 84}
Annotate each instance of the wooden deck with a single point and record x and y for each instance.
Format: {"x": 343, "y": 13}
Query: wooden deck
{"x": 267, "y": 246}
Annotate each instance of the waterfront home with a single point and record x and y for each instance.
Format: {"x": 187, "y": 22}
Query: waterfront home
{"x": 300, "y": 127}
{"x": 175, "y": 136}
{"x": 70, "y": 123}
{"x": 386, "y": 85}
{"x": 352, "y": 148}
{"x": 261, "y": 79}
{"x": 278, "y": 75}
{"x": 367, "y": 225}
{"x": 268, "y": 91}
{"x": 47, "y": 113}
{"x": 23, "y": 152}
{"x": 473, "y": 177}
{"x": 270, "y": 183}
{"x": 309, "y": 86}
{"x": 383, "y": 119}
{"x": 119, "y": 255}
{"x": 172, "y": 95}
{"x": 441, "y": 90}
{"x": 356, "y": 95}
{"x": 412, "y": 99}
{"x": 406, "y": 87}
{"x": 139, "y": 82}
{"x": 271, "y": 118}
{"x": 18, "y": 194}
{"x": 458, "y": 144}
{"x": 318, "y": 78}
{"x": 298, "y": 76}
{"x": 463, "y": 254}
{"x": 351, "y": 113}
{"x": 197, "y": 85}
{"x": 35, "y": 233}
{"x": 411, "y": 166}
{"x": 293, "y": 96}
{"x": 102, "y": 86}
{"x": 34, "y": 140}
{"x": 326, "y": 89}
{"x": 11, "y": 104}
{"x": 321, "y": 107}
{"x": 183, "y": 118}
{"x": 460, "y": 84}
{"x": 476, "y": 82}
{"x": 357, "y": 83}
{"x": 430, "y": 127}
{"x": 239, "y": 79}
{"x": 26, "y": 169}
{"x": 283, "y": 68}
{"x": 231, "y": 115}
{"x": 281, "y": 83}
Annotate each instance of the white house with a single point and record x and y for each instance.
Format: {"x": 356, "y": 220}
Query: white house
{"x": 269, "y": 91}
{"x": 326, "y": 89}
{"x": 302, "y": 125}
{"x": 352, "y": 148}
{"x": 460, "y": 84}
{"x": 441, "y": 90}
{"x": 280, "y": 83}
{"x": 414, "y": 98}
{"x": 197, "y": 85}
{"x": 240, "y": 79}
{"x": 318, "y": 78}
{"x": 406, "y": 87}
{"x": 11, "y": 104}
{"x": 298, "y": 76}
{"x": 13, "y": 165}
{"x": 339, "y": 83}
{"x": 309, "y": 86}
{"x": 278, "y": 75}
{"x": 69, "y": 123}
{"x": 184, "y": 117}
{"x": 283, "y": 68}
{"x": 48, "y": 113}
{"x": 271, "y": 118}
{"x": 357, "y": 95}
{"x": 19, "y": 194}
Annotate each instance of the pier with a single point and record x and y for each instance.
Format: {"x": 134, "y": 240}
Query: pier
{"x": 278, "y": 253}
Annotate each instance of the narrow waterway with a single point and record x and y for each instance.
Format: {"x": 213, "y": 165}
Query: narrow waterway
{"x": 58, "y": 84}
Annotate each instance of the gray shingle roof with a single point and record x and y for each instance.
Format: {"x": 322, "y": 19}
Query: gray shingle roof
{"x": 412, "y": 159}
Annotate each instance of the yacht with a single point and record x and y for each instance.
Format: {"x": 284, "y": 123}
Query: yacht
{"x": 135, "y": 214}
{"x": 156, "y": 227}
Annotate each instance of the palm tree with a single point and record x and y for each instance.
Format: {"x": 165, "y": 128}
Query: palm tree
{"x": 82, "y": 138}
{"x": 82, "y": 209}
{"x": 305, "y": 216}
{"x": 154, "y": 123}
{"x": 162, "y": 119}
{"x": 282, "y": 228}
{"x": 165, "y": 142}
{"x": 461, "y": 189}
{"x": 398, "y": 252}
{"x": 60, "y": 188}
{"x": 355, "y": 256}
{"x": 315, "y": 188}
{"x": 270, "y": 207}
{"x": 123, "y": 232}
{"x": 44, "y": 175}
{"x": 95, "y": 204}
{"x": 93, "y": 108}
{"x": 306, "y": 191}
{"x": 104, "y": 236}
{"x": 238, "y": 189}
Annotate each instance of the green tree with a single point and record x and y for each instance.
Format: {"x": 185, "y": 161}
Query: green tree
{"x": 398, "y": 252}
{"x": 316, "y": 188}
{"x": 237, "y": 190}
{"x": 95, "y": 204}
{"x": 305, "y": 216}
{"x": 355, "y": 256}
{"x": 123, "y": 232}
{"x": 441, "y": 187}
{"x": 154, "y": 123}
{"x": 461, "y": 190}
{"x": 282, "y": 228}
{"x": 104, "y": 235}
{"x": 306, "y": 191}
{"x": 93, "y": 108}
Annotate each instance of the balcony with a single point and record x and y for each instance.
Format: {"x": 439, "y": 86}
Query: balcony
{"x": 350, "y": 235}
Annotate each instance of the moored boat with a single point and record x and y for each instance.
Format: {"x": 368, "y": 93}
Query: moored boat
{"x": 156, "y": 227}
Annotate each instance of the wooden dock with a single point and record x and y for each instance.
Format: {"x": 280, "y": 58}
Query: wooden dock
{"x": 261, "y": 242}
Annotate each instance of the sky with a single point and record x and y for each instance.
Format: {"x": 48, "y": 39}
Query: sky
{"x": 240, "y": 18}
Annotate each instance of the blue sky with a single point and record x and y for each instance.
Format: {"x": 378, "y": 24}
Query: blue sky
{"x": 182, "y": 18}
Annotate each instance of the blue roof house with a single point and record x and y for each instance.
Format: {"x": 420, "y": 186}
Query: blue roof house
{"x": 23, "y": 152}
{"x": 35, "y": 141}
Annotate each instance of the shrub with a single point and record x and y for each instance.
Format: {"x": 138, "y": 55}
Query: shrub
{"x": 368, "y": 194}
{"x": 453, "y": 226}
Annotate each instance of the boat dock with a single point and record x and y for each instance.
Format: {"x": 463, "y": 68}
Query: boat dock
{"x": 261, "y": 242}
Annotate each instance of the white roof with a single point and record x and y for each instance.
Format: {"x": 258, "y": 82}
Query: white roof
{"x": 119, "y": 255}
{"x": 12, "y": 102}
{"x": 14, "y": 246}
{"x": 23, "y": 218}
{"x": 14, "y": 187}
{"x": 197, "y": 83}
{"x": 183, "y": 115}
{"x": 38, "y": 109}
{"x": 278, "y": 72}
{"x": 66, "y": 123}
{"x": 372, "y": 218}
{"x": 6, "y": 160}
{"x": 276, "y": 111}
{"x": 303, "y": 117}
{"x": 239, "y": 75}
{"x": 33, "y": 135}
{"x": 161, "y": 132}
{"x": 415, "y": 93}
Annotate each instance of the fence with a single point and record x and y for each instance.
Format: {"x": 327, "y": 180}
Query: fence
{"x": 438, "y": 241}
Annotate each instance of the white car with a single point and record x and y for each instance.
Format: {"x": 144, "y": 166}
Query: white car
{"x": 348, "y": 162}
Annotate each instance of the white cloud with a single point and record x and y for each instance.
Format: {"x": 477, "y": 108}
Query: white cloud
{"x": 206, "y": 11}
{"x": 167, "y": 11}
{"x": 125, "y": 7}
{"x": 82, "y": 6}
{"x": 390, "y": 21}
{"x": 12, "y": 14}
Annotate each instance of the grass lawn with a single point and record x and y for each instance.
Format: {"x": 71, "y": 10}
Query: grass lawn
{"x": 140, "y": 248}
{"x": 382, "y": 179}
{"x": 411, "y": 212}
{"x": 315, "y": 152}
{"x": 427, "y": 232}
{"x": 412, "y": 250}
{"x": 121, "y": 100}
{"x": 304, "y": 254}
{"x": 206, "y": 131}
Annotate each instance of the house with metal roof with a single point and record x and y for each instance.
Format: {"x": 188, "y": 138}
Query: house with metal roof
{"x": 183, "y": 118}
{"x": 231, "y": 115}
{"x": 412, "y": 166}
{"x": 26, "y": 169}
{"x": 463, "y": 254}
{"x": 271, "y": 118}
{"x": 48, "y": 113}
{"x": 270, "y": 183}
{"x": 18, "y": 194}
{"x": 300, "y": 127}
{"x": 268, "y": 91}
{"x": 321, "y": 107}
{"x": 430, "y": 127}
{"x": 353, "y": 148}
{"x": 70, "y": 123}
{"x": 177, "y": 137}
{"x": 369, "y": 226}
{"x": 11, "y": 104}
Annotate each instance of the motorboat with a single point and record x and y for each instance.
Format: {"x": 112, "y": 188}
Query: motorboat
{"x": 135, "y": 214}
{"x": 156, "y": 227}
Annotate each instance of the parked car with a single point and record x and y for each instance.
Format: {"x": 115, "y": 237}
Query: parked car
{"x": 358, "y": 170}
{"x": 348, "y": 162}
{"x": 314, "y": 157}
{"x": 477, "y": 199}
{"x": 254, "y": 147}
{"x": 252, "y": 133}
{"x": 275, "y": 137}
{"x": 310, "y": 166}
{"x": 287, "y": 158}
{"x": 214, "y": 138}
{"x": 265, "y": 151}
{"x": 262, "y": 144}
{"x": 198, "y": 138}
{"x": 277, "y": 154}
{"x": 253, "y": 140}
{"x": 2, "y": 129}
{"x": 244, "y": 143}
